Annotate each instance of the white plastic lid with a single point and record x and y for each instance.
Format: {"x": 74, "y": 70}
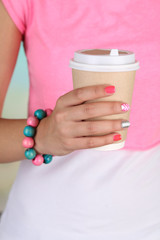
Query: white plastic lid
{"x": 104, "y": 60}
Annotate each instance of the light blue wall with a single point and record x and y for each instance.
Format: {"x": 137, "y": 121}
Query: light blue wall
{"x": 15, "y": 105}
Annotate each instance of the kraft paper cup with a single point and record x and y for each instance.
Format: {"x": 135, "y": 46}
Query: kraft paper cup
{"x": 107, "y": 66}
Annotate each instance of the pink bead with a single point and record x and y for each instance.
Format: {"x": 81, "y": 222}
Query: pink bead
{"x": 32, "y": 121}
{"x": 48, "y": 111}
{"x": 38, "y": 160}
{"x": 28, "y": 142}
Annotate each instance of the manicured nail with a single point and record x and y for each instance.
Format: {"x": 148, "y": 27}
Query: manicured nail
{"x": 117, "y": 137}
{"x": 125, "y": 107}
{"x": 125, "y": 124}
{"x": 110, "y": 89}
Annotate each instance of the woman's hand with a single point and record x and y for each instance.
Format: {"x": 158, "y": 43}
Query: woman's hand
{"x": 65, "y": 129}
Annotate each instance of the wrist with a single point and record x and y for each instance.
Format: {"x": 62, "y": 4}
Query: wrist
{"x": 39, "y": 137}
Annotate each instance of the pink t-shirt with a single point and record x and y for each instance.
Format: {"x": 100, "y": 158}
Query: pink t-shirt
{"x": 53, "y": 30}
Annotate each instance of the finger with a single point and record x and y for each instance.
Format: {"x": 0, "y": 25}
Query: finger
{"x": 80, "y": 95}
{"x": 82, "y": 129}
{"x": 96, "y": 109}
{"x": 90, "y": 142}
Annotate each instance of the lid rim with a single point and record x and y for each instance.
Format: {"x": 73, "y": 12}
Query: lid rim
{"x": 104, "y": 68}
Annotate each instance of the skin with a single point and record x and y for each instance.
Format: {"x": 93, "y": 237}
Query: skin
{"x": 10, "y": 39}
{"x": 65, "y": 129}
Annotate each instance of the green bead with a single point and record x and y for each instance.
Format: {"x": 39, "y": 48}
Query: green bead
{"x": 47, "y": 158}
{"x": 40, "y": 114}
{"x": 30, "y": 153}
{"x": 29, "y": 131}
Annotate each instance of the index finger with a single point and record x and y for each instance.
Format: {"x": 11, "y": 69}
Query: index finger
{"x": 80, "y": 95}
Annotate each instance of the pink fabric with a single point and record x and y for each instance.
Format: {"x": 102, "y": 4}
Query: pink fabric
{"x": 53, "y": 30}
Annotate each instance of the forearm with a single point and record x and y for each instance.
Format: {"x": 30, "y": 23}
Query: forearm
{"x": 11, "y": 137}
{"x": 11, "y": 131}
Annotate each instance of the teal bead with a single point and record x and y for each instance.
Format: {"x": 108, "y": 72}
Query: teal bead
{"x": 29, "y": 131}
{"x": 40, "y": 114}
{"x": 30, "y": 153}
{"x": 47, "y": 158}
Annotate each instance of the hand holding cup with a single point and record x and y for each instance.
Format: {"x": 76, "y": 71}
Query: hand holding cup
{"x": 68, "y": 128}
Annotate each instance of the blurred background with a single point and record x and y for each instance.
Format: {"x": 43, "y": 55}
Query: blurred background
{"x": 15, "y": 106}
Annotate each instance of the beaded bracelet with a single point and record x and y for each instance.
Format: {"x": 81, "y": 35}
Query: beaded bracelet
{"x": 28, "y": 142}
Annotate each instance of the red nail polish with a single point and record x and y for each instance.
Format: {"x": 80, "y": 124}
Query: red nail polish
{"x": 110, "y": 89}
{"x": 117, "y": 137}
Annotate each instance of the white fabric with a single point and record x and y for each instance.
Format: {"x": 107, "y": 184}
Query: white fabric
{"x": 87, "y": 194}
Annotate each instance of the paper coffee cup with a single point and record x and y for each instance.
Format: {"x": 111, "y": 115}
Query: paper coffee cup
{"x": 107, "y": 66}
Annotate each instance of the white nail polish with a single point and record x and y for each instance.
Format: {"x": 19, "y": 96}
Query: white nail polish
{"x": 125, "y": 124}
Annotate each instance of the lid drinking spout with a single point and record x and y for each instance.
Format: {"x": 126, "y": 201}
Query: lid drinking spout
{"x": 114, "y": 52}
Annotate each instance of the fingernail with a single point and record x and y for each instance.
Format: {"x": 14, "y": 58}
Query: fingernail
{"x": 110, "y": 89}
{"x": 125, "y": 124}
{"x": 125, "y": 107}
{"x": 117, "y": 137}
